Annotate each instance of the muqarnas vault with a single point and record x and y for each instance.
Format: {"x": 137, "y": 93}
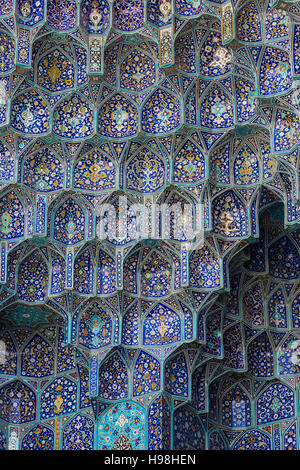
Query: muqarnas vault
{"x": 125, "y": 343}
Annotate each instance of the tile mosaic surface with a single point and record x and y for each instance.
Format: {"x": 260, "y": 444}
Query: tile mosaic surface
{"x": 137, "y": 337}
